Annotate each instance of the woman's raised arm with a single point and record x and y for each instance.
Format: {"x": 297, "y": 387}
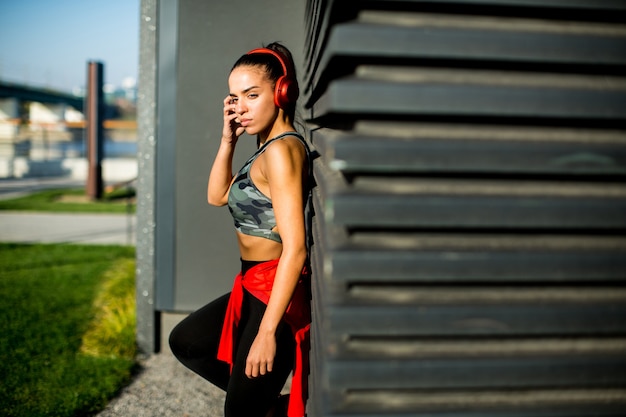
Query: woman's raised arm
{"x": 221, "y": 175}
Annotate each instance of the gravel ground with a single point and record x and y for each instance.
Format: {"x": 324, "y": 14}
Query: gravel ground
{"x": 165, "y": 388}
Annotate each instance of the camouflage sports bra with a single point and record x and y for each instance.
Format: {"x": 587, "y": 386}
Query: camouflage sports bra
{"x": 252, "y": 210}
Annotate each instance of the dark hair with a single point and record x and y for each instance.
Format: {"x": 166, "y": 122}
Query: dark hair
{"x": 272, "y": 67}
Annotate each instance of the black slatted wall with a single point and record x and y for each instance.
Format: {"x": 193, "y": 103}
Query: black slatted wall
{"x": 469, "y": 248}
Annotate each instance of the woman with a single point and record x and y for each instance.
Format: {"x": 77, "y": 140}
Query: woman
{"x": 248, "y": 341}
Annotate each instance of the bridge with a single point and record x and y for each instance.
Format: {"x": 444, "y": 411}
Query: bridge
{"x": 39, "y": 95}
{"x": 24, "y": 104}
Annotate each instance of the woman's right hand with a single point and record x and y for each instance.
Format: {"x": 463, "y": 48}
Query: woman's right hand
{"x": 232, "y": 129}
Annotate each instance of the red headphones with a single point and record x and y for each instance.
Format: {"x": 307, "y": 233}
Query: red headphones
{"x": 286, "y": 91}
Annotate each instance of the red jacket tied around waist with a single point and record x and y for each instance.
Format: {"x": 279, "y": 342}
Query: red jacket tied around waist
{"x": 259, "y": 281}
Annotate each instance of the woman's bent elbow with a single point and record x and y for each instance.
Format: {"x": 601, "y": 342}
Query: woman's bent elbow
{"x": 218, "y": 202}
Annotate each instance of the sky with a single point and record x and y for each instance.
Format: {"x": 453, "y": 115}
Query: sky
{"x": 48, "y": 43}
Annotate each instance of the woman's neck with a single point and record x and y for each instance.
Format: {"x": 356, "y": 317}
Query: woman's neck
{"x": 279, "y": 126}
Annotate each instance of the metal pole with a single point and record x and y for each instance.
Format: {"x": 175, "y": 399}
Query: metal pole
{"x": 95, "y": 132}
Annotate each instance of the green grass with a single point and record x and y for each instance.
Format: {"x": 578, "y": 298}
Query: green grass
{"x": 72, "y": 201}
{"x": 67, "y": 338}
{"x": 112, "y": 330}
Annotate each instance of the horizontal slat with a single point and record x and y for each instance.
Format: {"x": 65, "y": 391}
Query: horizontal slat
{"x": 566, "y": 4}
{"x": 449, "y": 266}
{"x": 444, "y": 150}
{"x": 379, "y": 202}
{"x": 375, "y": 294}
{"x": 428, "y": 41}
{"x": 476, "y": 320}
{"x": 478, "y": 373}
{"x": 380, "y": 210}
{"x": 487, "y": 403}
{"x": 352, "y": 97}
{"x": 368, "y": 348}
{"x": 523, "y": 24}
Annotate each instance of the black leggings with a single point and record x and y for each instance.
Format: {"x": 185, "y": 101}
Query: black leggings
{"x": 194, "y": 341}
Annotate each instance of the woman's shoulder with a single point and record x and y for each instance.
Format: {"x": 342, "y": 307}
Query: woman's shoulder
{"x": 286, "y": 141}
{"x": 288, "y": 137}
{"x": 289, "y": 150}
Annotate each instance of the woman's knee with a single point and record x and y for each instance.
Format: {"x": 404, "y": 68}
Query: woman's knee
{"x": 197, "y": 332}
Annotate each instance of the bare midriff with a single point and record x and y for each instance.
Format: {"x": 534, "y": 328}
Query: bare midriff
{"x": 253, "y": 248}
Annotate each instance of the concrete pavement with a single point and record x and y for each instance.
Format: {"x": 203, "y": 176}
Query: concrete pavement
{"x": 28, "y": 227}
{"x": 103, "y": 229}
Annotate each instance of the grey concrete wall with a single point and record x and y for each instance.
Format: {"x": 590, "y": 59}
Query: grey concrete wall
{"x": 187, "y": 253}
{"x": 211, "y": 36}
